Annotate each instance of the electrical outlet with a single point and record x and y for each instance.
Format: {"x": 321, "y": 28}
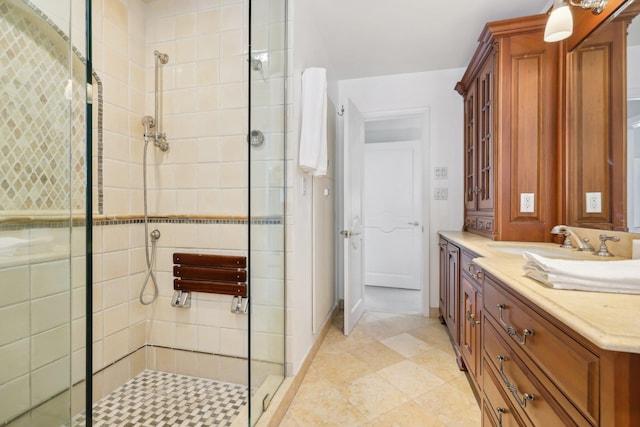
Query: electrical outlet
{"x": 526, "y": 203}
{"x": 594, "y": 203}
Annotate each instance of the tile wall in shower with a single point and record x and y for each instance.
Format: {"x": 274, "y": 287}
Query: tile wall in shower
{"x": 42, "y": 318}
{"x": 36, "y": 145}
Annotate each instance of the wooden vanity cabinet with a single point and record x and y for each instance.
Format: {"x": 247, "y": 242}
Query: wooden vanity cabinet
{"x": 549, "y": 374}
{"x": 510, "y": 94}
{"x": 450, "y": 287}
{"x": 460, "y": 306}
{"x": 470, "y": 316}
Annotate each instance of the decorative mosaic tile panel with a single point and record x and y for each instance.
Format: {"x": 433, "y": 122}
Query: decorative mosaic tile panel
{"x": 156, "y": 398}
{"x": 42, "y": 151}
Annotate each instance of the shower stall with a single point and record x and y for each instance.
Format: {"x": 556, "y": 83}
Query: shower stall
{"x": 80, "y": 87}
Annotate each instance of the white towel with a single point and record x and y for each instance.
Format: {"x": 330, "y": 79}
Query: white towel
{"x": 313, "y": 129}
{"x": 594, "y": 276}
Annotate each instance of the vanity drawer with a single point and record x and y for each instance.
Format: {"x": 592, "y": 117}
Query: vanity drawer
{"x": 468, "y": 267}
{"x": 524, "y": 392}
{"x": 497, "y": 410}
{"x": 572, "y": 368}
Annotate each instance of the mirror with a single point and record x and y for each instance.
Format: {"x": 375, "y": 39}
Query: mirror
{"x": 603, "y": 146}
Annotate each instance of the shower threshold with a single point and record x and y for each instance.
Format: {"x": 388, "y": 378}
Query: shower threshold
{"x": 155, "y": 398}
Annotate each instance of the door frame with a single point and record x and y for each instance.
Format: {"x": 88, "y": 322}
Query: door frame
{"x": 424, "y": 114}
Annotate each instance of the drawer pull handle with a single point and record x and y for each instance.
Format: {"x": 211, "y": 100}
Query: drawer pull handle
{"x": 471, "y": 318}
{"x": 501, "y": 412}
{"x": 511, "y": 330}
{"x": 512, "y": 388}
{"x": 476, "y": 274}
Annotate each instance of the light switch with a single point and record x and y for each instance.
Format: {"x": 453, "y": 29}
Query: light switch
{"x": 440, "y": 193}
{"x": 440, "y": 172}
{"x": 594, "y": 203}
{"x": 526, "y": 203}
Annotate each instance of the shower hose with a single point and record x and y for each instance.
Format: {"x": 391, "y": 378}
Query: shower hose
{"x": 154, "y": 235}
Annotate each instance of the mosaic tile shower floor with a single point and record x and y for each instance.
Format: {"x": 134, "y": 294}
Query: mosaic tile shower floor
{"x": 162, "y": 399}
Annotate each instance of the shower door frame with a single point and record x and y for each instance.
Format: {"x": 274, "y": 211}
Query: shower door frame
{"x": 282, "y": 187}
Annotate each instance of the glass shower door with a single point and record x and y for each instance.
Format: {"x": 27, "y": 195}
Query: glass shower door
{"x": 267, "y": 189}
{"x": 42, "y": 224}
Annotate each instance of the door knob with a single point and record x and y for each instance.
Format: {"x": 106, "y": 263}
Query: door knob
{"x": 347, "y": 234}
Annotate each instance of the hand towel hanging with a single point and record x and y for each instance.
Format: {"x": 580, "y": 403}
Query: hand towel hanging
{"x": 313, "y": 129}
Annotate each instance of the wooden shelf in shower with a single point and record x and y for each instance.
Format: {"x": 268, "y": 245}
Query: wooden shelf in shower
{"x": 217, "y": 274}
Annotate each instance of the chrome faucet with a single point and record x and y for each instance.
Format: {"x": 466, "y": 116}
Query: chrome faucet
{"x": 583, "y": 244}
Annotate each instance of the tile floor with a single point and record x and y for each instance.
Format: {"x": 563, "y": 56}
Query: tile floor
{"x": 392, "y": 370}
{"x": 159, "y": 399}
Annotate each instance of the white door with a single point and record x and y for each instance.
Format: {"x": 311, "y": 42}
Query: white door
{"x": 392, "y": 215}
{"x": 353, "y": 157}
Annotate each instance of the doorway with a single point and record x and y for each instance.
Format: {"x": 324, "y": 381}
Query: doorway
{"x": 391, "y": 262}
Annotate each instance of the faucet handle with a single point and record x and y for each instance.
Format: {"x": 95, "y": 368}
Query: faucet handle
{"x": 567, "y": 241}
{"x": 603, "y": 250}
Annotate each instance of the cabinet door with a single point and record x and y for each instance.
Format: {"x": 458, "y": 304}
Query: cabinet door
{"x": 485, "y": 138}
{"x": 469, "y": 324}
{"x": 470, "y": 142}
{"x": 453, "y": 289}
{"x": 597, "y": 143}
{"x": 443, "y": 279}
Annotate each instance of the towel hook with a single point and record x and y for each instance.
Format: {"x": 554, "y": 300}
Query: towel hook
{"x": 341, "y": 112}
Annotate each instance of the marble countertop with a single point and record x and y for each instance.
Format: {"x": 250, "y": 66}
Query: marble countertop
{"x": 608, "y": 320}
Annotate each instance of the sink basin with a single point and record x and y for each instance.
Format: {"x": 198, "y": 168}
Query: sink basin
{"x": 549, "y": 252}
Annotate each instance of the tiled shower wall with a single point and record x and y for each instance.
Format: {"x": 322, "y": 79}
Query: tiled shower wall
{"x": 34, "y": 152}
{"x": 202, "y": 179}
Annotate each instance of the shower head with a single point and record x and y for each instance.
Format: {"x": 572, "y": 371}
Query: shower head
{"x": 162, "y": 57}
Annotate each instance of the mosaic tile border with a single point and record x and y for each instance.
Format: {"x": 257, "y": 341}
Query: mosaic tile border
{"x": 64, "y": 223}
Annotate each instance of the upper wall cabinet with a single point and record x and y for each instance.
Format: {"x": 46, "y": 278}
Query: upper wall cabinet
{"x": 510, "y": 92}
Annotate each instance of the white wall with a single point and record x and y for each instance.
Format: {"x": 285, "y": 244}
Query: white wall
{"x": 432, "y": 90}
{"x": 307, "y": 50}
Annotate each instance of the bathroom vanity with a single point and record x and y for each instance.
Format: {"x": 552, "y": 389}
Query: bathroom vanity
{"x": 537, "y": 356}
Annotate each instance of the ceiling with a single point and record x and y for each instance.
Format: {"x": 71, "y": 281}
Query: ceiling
{"x": 367, "y": 38}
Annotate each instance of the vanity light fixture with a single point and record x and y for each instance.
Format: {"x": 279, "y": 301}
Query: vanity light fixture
{"x": 560, "y": 23}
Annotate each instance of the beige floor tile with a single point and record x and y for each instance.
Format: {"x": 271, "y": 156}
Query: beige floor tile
{"x": 328, "y": 409}
{"x": 408, "y": 323}
{"x": 337, "y": 342}
{"x": 408, "y": 415}
{"x": 289, "y": 421}
{"x": 439, "y": 362}
{"x": 378, "y": 329}
{"x": 370, "y": 378}
{"x": 339, "y": 368}
{"x": 410, "y": 378}
{"x": 452, "y": 406}
{"x": 405, "y": 344}
{"x": 372, "y": 395}
{"x": 433, "y": 336}
{"x": 376, "y": 355}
